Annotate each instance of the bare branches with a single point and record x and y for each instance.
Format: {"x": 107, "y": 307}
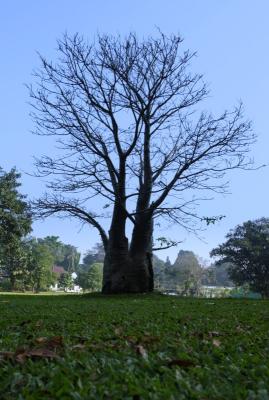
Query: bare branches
{"x": 207, "y": 150}
{"x": 165, "y": 244}
{"x": 51, "y": 205}
{"x": 122, "y": 111}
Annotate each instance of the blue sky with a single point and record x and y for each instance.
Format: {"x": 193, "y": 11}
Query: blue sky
{"x": 232, "y": 41}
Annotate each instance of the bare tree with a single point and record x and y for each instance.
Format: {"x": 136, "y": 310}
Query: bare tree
{"x": 125, "y": 115}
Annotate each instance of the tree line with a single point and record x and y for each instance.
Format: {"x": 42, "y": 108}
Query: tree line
{"x": 26, "y": 262}
{"x": 187, "y": 275}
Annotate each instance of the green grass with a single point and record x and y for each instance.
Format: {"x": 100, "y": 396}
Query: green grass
{"x": 135, "y": 347}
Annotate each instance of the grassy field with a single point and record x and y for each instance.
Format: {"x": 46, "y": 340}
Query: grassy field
{"x": 135, "y": 347}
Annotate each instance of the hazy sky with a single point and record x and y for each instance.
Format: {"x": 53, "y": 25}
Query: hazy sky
{"x": 232, "y": 41}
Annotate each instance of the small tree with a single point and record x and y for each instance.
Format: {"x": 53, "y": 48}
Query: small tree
{"x": 39, "y": 266}
{"x": 95, "y": 275}
{"x": 91, "y": 279}
{"x": 186, "y": 266}
{"x": 191, "y": 286}
{"x": 123, "y": 111}
{"x": 95, "y": 255}
{"x": 15, "y": 223}
{"x": 247, "y": 251}
{"x": 82, "y": 280}
{"x": 66, "y": 281}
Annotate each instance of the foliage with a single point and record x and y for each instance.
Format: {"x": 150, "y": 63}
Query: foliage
{"x": 39, "y": 265}
{"x": 24, "y": 261}
{"x": 133, "y": 347}
{"x": 64, "y": 255}
{"x": 14, "y": 263}
{"x": 5, "y": 285}
{"x": 95, "y": 275}
{"x": 95, "y": 255}
{"x": 186, "y": 265}
{"x": 217, "y": 275}
{"x": 15, "y": 215}
{"x": 244, "y": 292}
{"x": 82, "y": 280}
{"x": 247, "y": 251}
{"x": 66, "y": 281}
{"x": 159, "y": 272}
{"x": 91, "y": 279}
{"x": 184, "y": 274}
{"x": 190, "y": 286}
{"x": 15, "y": 224}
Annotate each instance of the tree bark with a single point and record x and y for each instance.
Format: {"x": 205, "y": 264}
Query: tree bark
{"x": 129, "y": 269}
{"x": 141, "y": 252}
{"x": 124, "y": 273}
{"x": 116, "y": 263}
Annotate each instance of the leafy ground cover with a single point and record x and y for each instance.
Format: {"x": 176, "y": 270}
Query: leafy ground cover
{"x": 135, "y": 347}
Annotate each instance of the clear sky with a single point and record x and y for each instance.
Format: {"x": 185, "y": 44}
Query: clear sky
{"x": 232, "y": 41}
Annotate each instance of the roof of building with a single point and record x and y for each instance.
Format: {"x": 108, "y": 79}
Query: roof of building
{"x": 58, "y": 270}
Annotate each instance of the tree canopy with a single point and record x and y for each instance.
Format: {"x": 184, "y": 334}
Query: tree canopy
{"x": 94, "y": 255}
{"x": 247, "y": 251}
{"x": 186, "y": 265}
{"x": 66, "y": 281}
{"x": 38, "y": 271}
{"x": 64, "y": 255}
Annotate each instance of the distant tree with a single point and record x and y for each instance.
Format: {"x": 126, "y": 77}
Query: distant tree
{"x": 185, "y": 266}
{"x": 66, "y": 281}
{"x": 126, "y": 112}
{"x": 208, "y": 277}
{"x": 95, "y": 277}
{"x": 217, "y": 275}
{"x": 95, "y": 255}
{"x": 159, "y": 272}
{"x": 222, "y": 274}
{"x": 65, "y": 255}
{"x": 39, "y": 266}
{"x": 82, "y": 280}
{"x": 167, "y": 263}
{"x": 190, "y": 286}
{"x": 247, "y": 251}
{"x": 71, "y": 258}
{"x": 55, "y": 247}
{"x": 15, "y": 224}
{"x": 14, "y": 263}
{"x": 91, "y": 278}
{"x": 167, "y": 276}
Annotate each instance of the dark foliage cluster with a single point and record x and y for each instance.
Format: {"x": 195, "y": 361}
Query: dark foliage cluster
{"x": 247, "y": 251}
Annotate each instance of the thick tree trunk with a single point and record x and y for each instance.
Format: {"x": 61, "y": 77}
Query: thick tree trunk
{"x": 126, "y": 273}
{"x": 141, "y": 251}
{"x": 116, "y": 259}
{"x": 116, "y": 265}
{"x": 129, "y": 270}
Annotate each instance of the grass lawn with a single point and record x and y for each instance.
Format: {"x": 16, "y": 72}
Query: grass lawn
{"x": 135, "y": 347}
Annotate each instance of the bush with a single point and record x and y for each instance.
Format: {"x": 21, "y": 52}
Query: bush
{"x": 5, "y": 285}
